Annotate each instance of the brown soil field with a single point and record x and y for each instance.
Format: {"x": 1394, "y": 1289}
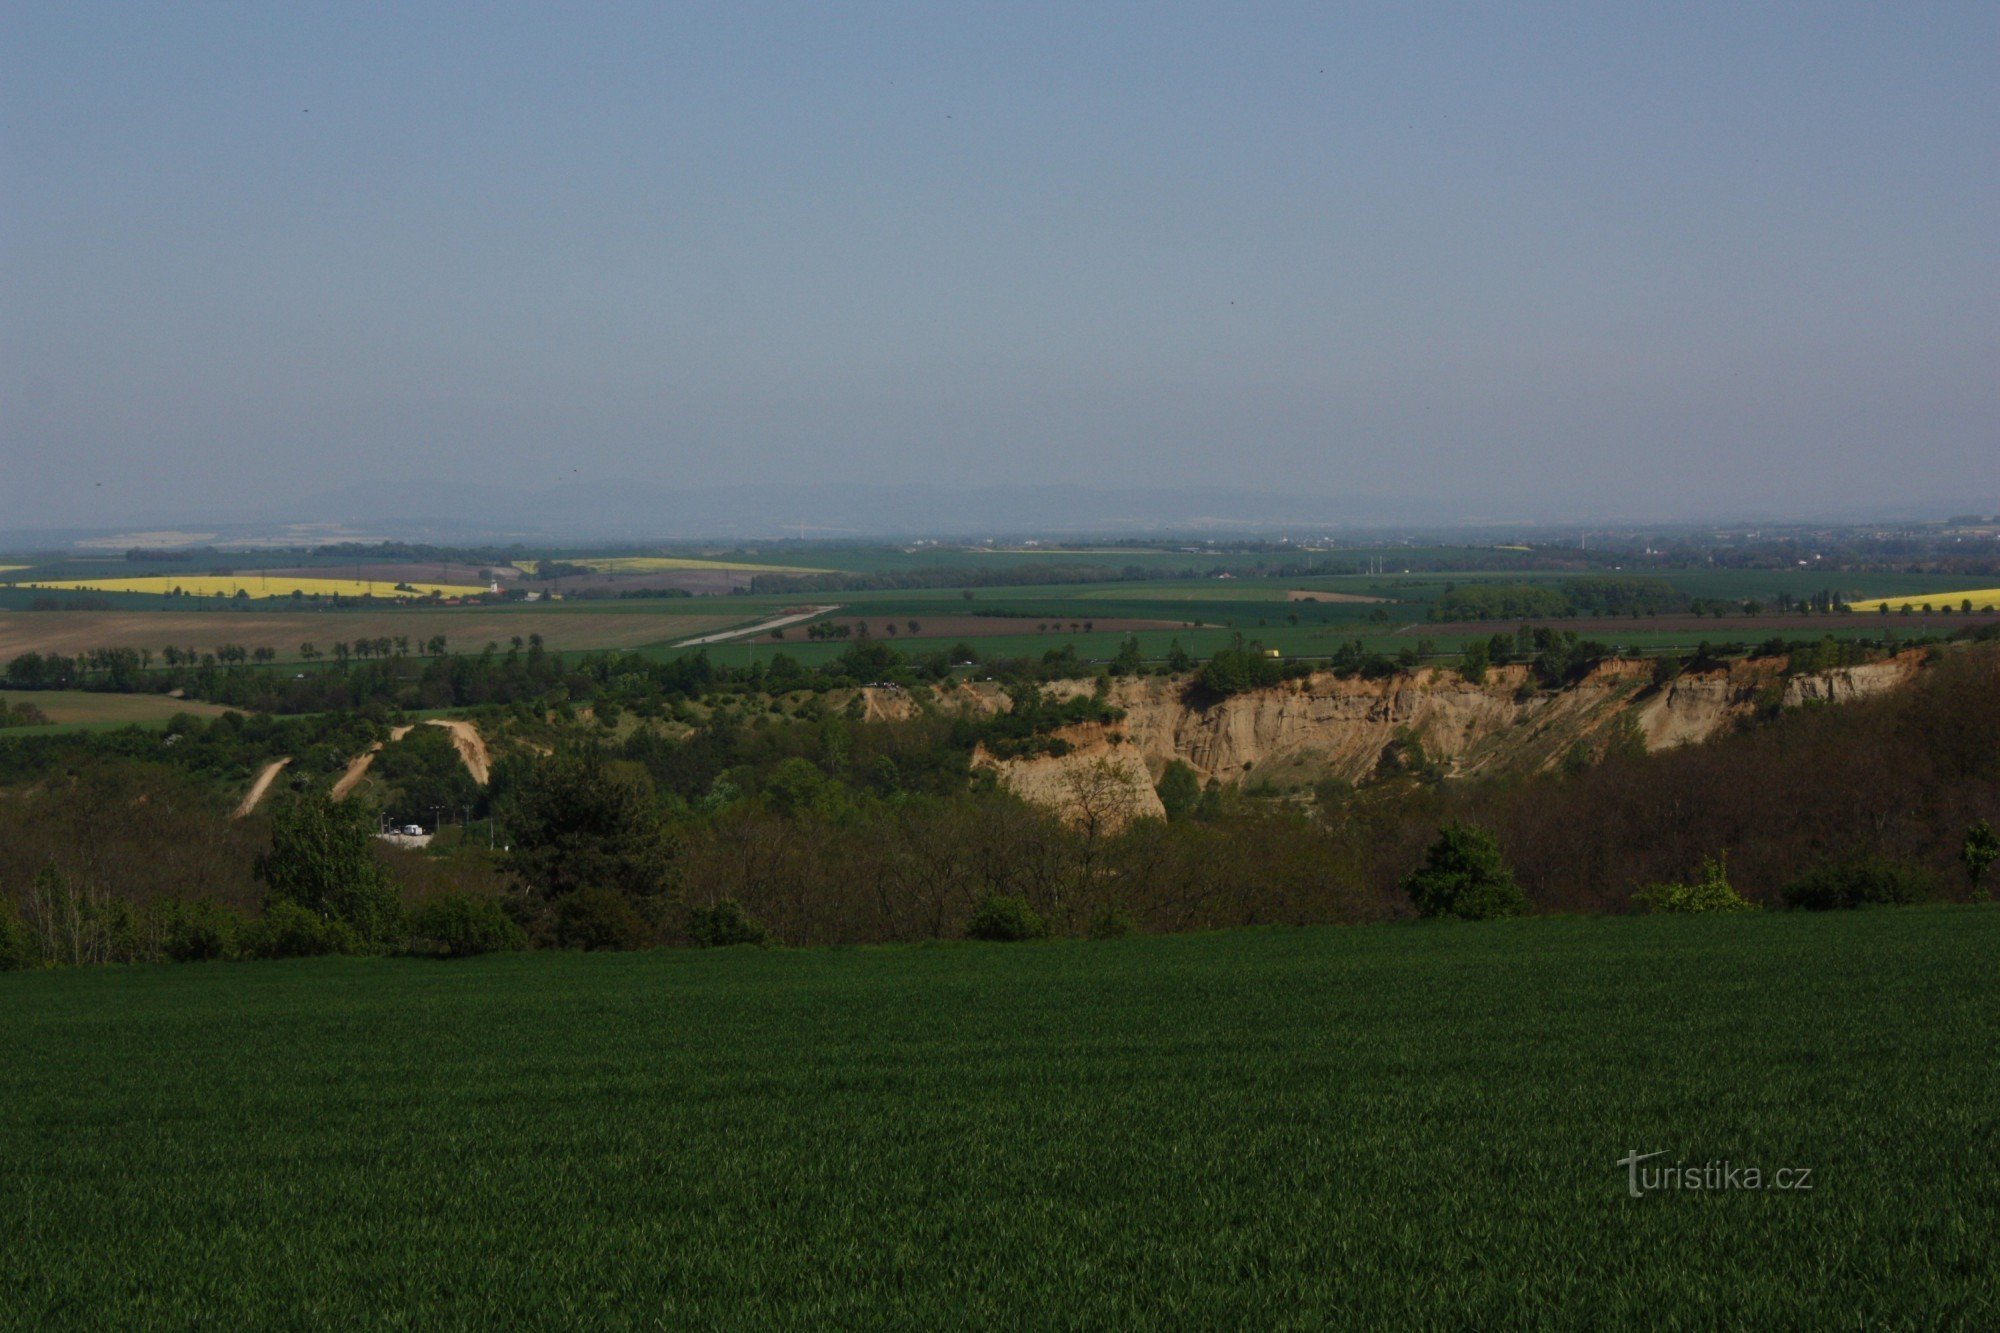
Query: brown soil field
{"x": 1309, "y": 595}
{"x": 688, "y": 580}
{"x": 967, "y": 627}
{"x": 89, "y": 706}
{"x": 393, "y": 572}
{"x": 1708, "y": 627}
{"x": 466, "y": 630}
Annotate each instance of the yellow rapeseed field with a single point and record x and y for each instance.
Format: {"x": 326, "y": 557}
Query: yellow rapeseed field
{"x": 1983, "y": 599}
{"x": 256, "y": 586}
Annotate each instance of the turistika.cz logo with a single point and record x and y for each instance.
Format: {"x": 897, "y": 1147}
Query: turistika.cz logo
{"x": 1723, "y": 1175}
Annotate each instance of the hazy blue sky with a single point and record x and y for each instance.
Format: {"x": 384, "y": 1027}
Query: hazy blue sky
{"x": 1644, "y": 259}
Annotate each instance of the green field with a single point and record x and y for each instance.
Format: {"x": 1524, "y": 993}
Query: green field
{"x": 90, "y": 710}
{"x": 1388, "y": 1126}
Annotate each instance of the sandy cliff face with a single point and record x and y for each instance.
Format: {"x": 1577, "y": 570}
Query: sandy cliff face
{"x": 1328, "y": 727}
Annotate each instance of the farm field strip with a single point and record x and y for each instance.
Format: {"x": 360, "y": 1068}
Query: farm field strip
{"x": 661, "y": 564}
{"x": 89, "y": 707}
{"x": 257, "y": 586}
{"x": 1982, "y": 599}
{"x": 465, "y": 629}
{"x": 1396, "y": 1126}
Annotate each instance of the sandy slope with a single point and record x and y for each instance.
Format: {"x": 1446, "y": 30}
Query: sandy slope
{"x": 263, "y": 783}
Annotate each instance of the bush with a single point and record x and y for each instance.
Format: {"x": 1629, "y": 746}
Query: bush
{"x": 200, "y": 931}
{"x": 1868, "y": 881}
{"x": 17, "y": 946}
{"x": 1463, "y": 876}
{"x": 597, "y": 919}
{"x": 1110, "y": 923}
{"x": 462, "y": 925}
{"x": 288, "y": 930}
{"x": 1710, "y": 891}
{"x": 723, "y": 925}
{"x": 1005, "y": 919}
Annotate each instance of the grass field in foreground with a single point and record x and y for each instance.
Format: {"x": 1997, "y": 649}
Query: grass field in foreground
{"x": 1381, "y": 1126}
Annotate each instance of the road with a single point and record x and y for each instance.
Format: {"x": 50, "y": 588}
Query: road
{"x": 763, "y": 627}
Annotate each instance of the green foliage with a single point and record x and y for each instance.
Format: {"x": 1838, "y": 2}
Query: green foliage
{"x": 426, "y": 777}
{"x": 1110, "y": 923}
{"x": 597, "y": 919}
{"x": 322, "y": 859}
{"x": 1499, "y": 601}
{"x": 463, "y": 925}
{"x": 200, "y": 930}
{"x": 1179, "y": 789}
{"x": 1599, "y": 595}
{"x": 1708, "y": 891}
{"x": 723, "y": 925}
{"x": 21, "y": 715}
{"x": 1004, "y": 918}
{"x": 578, "y": 823}
{"x": 17, "y": 945}
{"x": 1472, "y": 665}
{"x": 1464, "y": 876}
{"x": 288, "y": 930}
{"x": 1130, "y": 661}
{"x": 1979, "y": 850}
{"x": 1241, "y": 667}
{"x": 1862, "y": 881}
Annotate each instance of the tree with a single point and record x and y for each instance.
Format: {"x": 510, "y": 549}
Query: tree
{"x": 1101, "y": 797}
{"x": 1464, "y": 876}
{"x": 579, "y": 824}
{"x": 1473, "y": 665}
{"x": 1179, "y": 790}
{"x": 1980, "y": 849}
{"x": 1129, "y": 661}
{"x": 322, "y": 860}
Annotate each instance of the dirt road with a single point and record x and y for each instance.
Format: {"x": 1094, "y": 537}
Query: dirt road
{"x": 764, "y": 627}
{"x": 357, "y": 768}
{"x": 263, "y": 783}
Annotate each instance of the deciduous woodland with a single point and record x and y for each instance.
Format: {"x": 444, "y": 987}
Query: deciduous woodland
{"x": 645, "y": 803}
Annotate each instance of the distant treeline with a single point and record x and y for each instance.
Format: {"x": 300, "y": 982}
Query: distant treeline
{"x": 1605, "y": 596}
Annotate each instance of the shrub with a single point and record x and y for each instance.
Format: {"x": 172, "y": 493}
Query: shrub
{"x": 1710, "y": 891}
{"x": 1110, "y": 923}
{"x": 1979, "y": 850}
{"x": 1868, "y": 881}
{"x": 722, "y": 925}
{"x": 462, "y": 925}
{"x": 1464, "y": 876}
{"x": 597, "y": 919}
{"x": 1005, "y": 919}
{"x": 198, "y": 931}
{"x": 288, "y": 930}
{"x": 17, "y": 946}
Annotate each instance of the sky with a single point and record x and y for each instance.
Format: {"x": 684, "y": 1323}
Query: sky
{"x": 1597, "y": 260}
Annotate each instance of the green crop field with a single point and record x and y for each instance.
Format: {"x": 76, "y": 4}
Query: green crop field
{"x": 91, "y": 710}
{"x": 1386, "y": 1126}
